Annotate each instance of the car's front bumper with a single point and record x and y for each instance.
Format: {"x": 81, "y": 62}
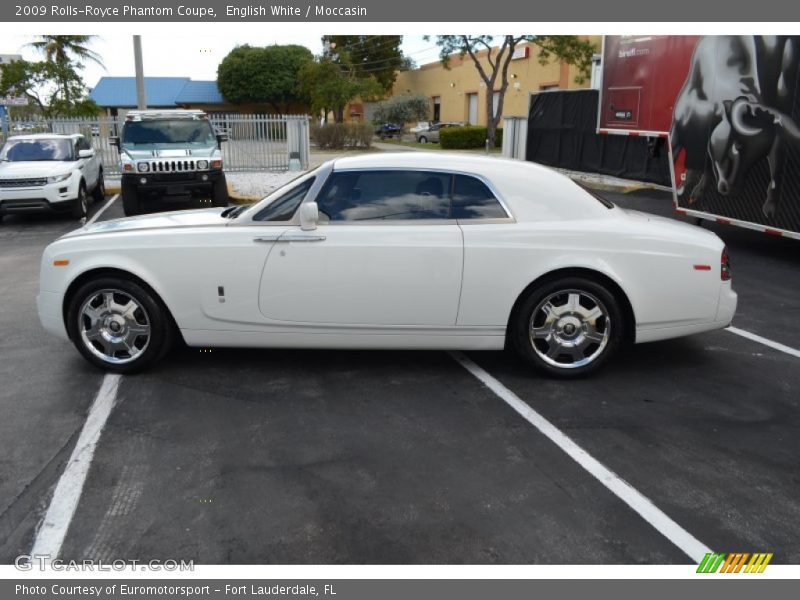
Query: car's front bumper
{"x": 172, "y": 186}
{"x": 51, "y": 197}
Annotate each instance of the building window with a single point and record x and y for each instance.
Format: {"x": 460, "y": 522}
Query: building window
{"x": 472, "y": 109}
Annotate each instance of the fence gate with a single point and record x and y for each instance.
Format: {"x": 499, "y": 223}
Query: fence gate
{"x": 255, "y": 142}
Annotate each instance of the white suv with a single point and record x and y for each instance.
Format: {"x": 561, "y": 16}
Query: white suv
{"x": 49, "y": 172}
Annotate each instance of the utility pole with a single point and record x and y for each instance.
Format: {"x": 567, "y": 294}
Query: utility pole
{"x": 141, "y": 99}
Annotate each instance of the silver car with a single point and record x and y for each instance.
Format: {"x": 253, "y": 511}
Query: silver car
{"x": 432, "y": 133}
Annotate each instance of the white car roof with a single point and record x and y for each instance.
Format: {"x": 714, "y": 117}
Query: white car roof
{"x": 532, "y": 191}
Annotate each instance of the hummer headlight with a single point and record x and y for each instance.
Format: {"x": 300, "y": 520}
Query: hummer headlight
{"x": 143, "y": 167}
{"x": 202, "y": 164}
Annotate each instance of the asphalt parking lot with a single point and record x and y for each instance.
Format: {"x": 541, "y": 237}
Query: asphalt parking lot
{"x": 277, "y": 456}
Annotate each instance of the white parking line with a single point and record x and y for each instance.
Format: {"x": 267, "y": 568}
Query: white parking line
{"x": 762, "y": 340}
{"x": 100, "y": 212}
{"x": 676, "y": 534}
{"x": 62, "y": 507}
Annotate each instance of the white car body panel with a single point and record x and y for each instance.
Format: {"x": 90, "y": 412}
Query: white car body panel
{"x": 409, "y": 284}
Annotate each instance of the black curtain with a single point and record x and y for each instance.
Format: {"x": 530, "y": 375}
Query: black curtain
{"x": 561, "y": 133}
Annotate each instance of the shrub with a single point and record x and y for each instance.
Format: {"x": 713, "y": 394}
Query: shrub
{"x": 337, "y": 136}
{"x": 467, "y": 138}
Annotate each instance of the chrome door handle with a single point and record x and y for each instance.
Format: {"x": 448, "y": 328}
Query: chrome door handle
{"x": 297, "y": 237}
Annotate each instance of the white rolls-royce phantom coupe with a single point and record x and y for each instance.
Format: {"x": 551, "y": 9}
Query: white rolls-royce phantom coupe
{"x": 399, "y": 251}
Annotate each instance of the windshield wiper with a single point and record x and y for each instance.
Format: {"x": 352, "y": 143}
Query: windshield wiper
{"x": 234, "y": 211}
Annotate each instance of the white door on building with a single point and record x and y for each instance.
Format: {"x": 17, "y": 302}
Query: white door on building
{"x": 495, "y": 102}
{"x": 472, "y": 114}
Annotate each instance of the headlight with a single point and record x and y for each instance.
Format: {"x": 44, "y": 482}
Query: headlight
{"x": 59, "y": 178}
{"x": 202, "y": 164}
{"x": 143, "y": 167}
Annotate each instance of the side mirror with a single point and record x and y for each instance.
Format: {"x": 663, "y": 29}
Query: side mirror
{"x": 85, "y": 153}
{"x": 309, "y": 216}
{"x": 113, "y": 141}
{"x": 222, "y": 137}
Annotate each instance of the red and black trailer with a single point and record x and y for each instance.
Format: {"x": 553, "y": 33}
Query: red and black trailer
{"x": 728, "y": 108}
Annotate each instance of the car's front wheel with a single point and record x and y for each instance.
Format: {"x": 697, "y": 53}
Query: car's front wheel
{"x": 130, "y": 200}
{"x": 219, "y": 195}
{"x": 118, "y": 325}
{"x": 568, "y": 327}
{"x": 422, "y": 139}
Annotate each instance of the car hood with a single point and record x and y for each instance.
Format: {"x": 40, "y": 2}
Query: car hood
{"x": 180, "y": 218}
{"x": 34, "y": 169}
{"x": 150, "y": 151}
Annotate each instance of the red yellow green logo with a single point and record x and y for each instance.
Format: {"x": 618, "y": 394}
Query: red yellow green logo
{"x": 736, "y": 562}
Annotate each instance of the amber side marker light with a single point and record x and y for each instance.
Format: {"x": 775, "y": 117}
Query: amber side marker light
{"x": 61, "y": 262}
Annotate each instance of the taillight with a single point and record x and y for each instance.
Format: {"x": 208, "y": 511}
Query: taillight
{"x": 725, "y": 271}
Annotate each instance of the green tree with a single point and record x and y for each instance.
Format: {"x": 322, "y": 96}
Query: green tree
{"x": 56, "y": 89}
{"x": 403, "y": 109}
{"x": 268, "y": 75}
{"x": 494, "y": 71}
{"x": 366, "y": 56}
{"x": 329, "y": 87}
{"x": 66, "y": 50}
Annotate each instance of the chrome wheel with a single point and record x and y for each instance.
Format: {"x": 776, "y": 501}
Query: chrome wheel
{"x": 569, "y": 329}
{"x": 114, "y": 326}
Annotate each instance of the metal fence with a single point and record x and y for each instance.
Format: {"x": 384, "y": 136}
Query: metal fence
{"x": 255, "y": 142}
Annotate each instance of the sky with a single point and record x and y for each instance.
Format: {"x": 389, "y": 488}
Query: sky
{"x": 192, "y": 56}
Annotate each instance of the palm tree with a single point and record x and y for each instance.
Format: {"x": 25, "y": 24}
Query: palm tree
{"x": 64, "y": 49}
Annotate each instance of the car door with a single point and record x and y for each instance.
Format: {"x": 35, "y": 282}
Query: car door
{"x": 386, "y": 253}
{"x": 88, "y": 166}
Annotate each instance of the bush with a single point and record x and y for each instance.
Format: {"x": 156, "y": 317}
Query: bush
{"x": 337, "y": 136}
{"x": 467, "y": 138}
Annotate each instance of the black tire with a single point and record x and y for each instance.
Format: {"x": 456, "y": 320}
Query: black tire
{"x": 80, "y": 206}
{"x": 130, "y": 200}
{"x": 422, "y": 139}
{"x": 99, "y": 191}
{"x": 219, "y": 195}
{"x": 154, "y": 346}
{"x": 569, "y": 334}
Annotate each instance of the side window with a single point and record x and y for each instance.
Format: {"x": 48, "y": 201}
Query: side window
{"x": 385, "y": 196}
{"x": 283, "y": 208}
{"x": 473, "y": 200}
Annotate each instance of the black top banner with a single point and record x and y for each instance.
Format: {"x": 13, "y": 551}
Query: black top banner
{"x": 497, "y": 11}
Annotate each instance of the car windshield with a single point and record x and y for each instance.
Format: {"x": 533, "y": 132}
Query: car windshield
{"x": 168, "y": 131}
{"x": 37, "y": 150}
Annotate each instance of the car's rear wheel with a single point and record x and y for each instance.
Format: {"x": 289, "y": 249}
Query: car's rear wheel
{"x": 422, "y": 139}
{"x": 568, "y": 327}
{"x": 99, "y": 191}
{"x": 81, "y": 206}
{"x": 118, "y": 325}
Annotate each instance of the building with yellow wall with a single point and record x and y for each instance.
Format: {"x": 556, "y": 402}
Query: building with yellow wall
{"x": 459, "y": 94}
